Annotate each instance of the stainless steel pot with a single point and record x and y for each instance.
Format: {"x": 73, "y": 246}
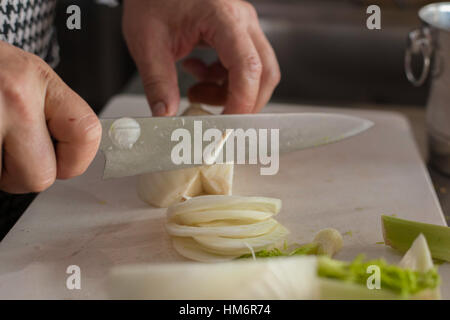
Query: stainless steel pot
{"x": 432, "y": 43}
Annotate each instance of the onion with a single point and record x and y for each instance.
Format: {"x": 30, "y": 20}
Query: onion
{"x": 221, "y": 245}
{"x": 244, "y": 216}
{"x": 222, "y": 202}
{"x": 189, "y": 248}
{"x": 232, "y": 231}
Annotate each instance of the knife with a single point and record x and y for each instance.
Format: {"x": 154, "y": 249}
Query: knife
{"x": 153, "y": 140}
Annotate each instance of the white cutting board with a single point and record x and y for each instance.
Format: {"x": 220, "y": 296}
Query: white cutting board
{"x": 96, "y": 224}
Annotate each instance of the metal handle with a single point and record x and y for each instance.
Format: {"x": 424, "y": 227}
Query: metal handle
{"x": 419, "y": 42}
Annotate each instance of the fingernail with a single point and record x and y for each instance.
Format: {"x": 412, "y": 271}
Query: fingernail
{"x": 158, "y": 109}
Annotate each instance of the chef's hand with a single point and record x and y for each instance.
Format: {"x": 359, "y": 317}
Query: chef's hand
{"x": 36, "y": 106}
{"x": 160, "y": 32}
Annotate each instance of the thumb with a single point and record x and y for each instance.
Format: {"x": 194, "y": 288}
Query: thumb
{"x": 74, "y": 126}
{"x": 159, "y": 77}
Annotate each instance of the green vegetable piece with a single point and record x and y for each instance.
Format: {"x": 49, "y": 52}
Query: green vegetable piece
{"x": 404, "y": 282}
{"x": 400, "y": 234}
{"x": 306, "y": 249}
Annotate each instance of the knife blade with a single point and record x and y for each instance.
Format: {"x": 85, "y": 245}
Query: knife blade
{"x": 154, "y": 147}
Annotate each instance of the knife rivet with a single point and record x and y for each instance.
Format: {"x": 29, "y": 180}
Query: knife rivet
{"x": 124, "y": 132}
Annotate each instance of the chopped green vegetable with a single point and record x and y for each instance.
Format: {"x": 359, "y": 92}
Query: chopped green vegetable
{"x": 400, "y": 234}
{"x": 348, "y": 233}
{"x": 306, "y": 249}
{"x": 379, "y": 242}
{"x": 326, "y": 242}
{"x": 333, "y": 289}
{"x": 398, "y": 281}
{"x": 405, "y": 282}
{"x": 275, "y": 252}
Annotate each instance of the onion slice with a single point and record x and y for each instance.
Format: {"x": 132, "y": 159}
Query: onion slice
{"x": 221, "y": 202}
{"x": 190, "y": 249}
{"x": 232, "y": 231}
{"x": 221, "y": 245}
{"x": 244, "y": 216}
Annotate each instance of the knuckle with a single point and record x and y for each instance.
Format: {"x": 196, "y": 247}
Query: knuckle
{"x": 14, "y": 86}
{"x": 150, "y": 83}
{"x": 18, "y": 86}
{"x": 44, "y": 71}
{"x": 13, "y": 89}
{"x": 156, "y": 84}
{"x": 251, "y": 11}
{"x": 230, "y": 9}
{"x": 16, "y": 96}
{"x": 252, "y": 64}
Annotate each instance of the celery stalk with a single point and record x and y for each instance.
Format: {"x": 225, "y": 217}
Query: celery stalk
{"x": 400, "y": 234}
{"x": 348, "y": 280}
{"x": 406, "y": 283}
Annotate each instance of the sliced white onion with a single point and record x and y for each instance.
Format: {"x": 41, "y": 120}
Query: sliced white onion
{"x": 225, "y": 202}
{"x": 232, "y": 231}
{"x": 221, "y": 245}
{"x": 244, "y": 216}
{"x": 190, "y": 249}
{"x": 225, "y": 223}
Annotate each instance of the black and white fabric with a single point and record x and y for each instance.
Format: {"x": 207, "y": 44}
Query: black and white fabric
{"x": 28, "y": 24}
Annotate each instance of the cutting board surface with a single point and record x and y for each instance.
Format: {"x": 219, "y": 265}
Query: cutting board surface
{"x": 96, "y": 224}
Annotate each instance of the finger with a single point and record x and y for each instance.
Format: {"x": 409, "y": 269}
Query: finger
{"x": 29, "y": 163}
{"x": 271, "y": 71}
{"x": 74, "y": 125}
{"x": 156, "y": 65}
{"x": 208, "y": 93}
{"x": 196, "y": 67}
{"x": 239, "y": 56}
{"x": 215, "y": 72}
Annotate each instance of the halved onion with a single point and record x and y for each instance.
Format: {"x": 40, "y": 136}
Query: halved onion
{"x": 232, "y": 231}
{"x": 221, "y": 245}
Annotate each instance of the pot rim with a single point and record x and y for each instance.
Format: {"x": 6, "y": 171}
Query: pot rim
{"x": 424, "y": 14}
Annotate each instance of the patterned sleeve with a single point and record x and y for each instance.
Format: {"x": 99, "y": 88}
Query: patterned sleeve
{"x": 28, "y": 24}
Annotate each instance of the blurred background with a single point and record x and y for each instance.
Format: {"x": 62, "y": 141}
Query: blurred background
{"x": 326, "y": 54}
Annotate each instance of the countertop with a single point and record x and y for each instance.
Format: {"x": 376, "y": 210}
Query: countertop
{"x": 416, "y": 117}
{"x": 97, "y": 224}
